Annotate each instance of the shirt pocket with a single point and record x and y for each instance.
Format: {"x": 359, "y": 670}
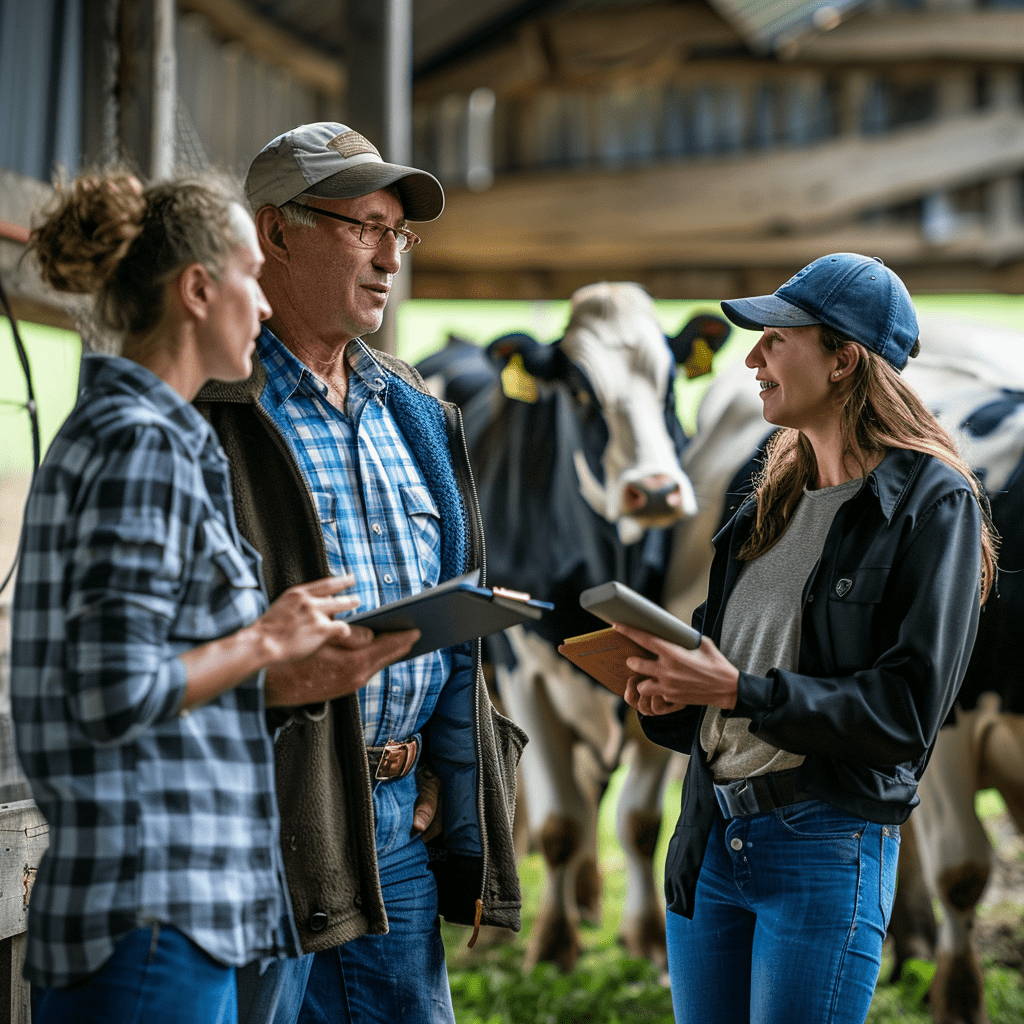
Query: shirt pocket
{"x": 425, "y": 527}
{"x": 223, "y": 592}
{"x": 326, "y": 505}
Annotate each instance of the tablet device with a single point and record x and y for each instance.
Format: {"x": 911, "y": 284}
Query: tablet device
{"x": 615, "y": 602}
{"x": 452, "y": 612}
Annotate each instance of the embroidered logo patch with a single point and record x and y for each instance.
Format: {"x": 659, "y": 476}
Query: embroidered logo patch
{"x": 351, "y": 144}
{"x": 843, "y": 587}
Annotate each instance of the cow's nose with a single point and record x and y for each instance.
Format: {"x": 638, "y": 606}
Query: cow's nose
{"x": 656, "y": 495}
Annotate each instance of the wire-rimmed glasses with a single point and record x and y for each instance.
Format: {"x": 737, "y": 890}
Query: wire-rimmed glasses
{"x": 371, "y": 232}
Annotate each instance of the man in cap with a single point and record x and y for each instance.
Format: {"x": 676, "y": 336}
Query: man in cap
{"x": 342, "y": 462}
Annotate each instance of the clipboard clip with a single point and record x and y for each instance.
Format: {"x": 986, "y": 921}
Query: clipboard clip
{"x": 511, "y": 595}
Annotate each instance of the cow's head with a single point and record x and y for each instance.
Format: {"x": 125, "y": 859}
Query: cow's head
{"x": 624, "y": 367}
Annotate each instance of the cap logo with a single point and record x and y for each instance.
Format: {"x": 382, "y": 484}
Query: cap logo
{"x": 351, "y": 144}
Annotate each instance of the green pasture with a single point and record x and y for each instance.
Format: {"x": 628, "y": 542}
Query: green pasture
{"x": 489, "y": 986}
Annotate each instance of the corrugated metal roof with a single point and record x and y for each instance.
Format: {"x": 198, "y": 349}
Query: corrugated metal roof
{"x": 768, "y": 25}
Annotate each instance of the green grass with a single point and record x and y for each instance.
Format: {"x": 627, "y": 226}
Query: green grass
{"x": 489, "y": 986}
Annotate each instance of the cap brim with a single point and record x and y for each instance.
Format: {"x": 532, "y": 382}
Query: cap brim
{"x": 422, "y": 195}
{"x": 766, "y": 311}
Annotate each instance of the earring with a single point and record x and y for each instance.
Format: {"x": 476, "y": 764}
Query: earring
{"x": 837, "y": 373}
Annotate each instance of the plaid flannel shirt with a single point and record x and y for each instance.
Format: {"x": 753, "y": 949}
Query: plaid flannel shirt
{"x": 130, "y": 556}
{"x": 378, "y": 517}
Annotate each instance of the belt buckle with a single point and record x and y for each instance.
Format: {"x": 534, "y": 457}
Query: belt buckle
{"x": 737, "y": 799}
{"x": 394, "y": 759}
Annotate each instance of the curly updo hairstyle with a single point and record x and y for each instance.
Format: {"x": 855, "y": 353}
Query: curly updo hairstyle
{"x": 108, "y": 236}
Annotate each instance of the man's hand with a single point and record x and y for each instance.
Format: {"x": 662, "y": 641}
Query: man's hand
{"x": 342, "y": 665}
{"x": 426, "y": 817}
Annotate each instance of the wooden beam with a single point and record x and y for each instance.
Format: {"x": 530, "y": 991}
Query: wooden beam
{"x": 641, "y": 215}
{"x": 975, "y": 35}
{"x": 233, "y": 20}
{"x": 587, "y": 49}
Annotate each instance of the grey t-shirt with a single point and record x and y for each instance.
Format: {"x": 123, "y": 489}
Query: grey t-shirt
{"x": 761, "y": 630}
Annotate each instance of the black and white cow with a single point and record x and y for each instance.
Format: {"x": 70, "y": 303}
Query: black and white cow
{"x": 576, "y": 456}
{"x": 972, "y": 376}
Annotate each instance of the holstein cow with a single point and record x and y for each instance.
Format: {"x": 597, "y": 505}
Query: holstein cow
{"x": 576, "y": 457}
{"x": 972, "y": 376}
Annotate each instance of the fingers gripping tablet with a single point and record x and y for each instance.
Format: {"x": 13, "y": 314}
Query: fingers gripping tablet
{"x": 615, "y": 602}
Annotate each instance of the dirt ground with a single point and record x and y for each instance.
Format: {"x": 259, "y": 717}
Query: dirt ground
{"x": 1000, "y": 924}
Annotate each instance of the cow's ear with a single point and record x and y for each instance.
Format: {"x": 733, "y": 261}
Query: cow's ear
{"x": 502, "y": 349}
{"x": 698, "y": 340}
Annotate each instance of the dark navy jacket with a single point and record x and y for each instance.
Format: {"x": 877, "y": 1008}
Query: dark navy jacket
{"x": 890, "y": 612}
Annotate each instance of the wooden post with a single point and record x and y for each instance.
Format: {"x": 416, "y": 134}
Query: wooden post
{"x": 379, "y": 59}
{"x": 147, "y": 87}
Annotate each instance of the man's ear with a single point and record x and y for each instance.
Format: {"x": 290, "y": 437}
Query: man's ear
{"x": 271, "y": 234}
{"x": 195, "y": 286}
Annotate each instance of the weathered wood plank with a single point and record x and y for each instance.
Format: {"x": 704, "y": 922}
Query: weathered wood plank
{"x": 24, "y": 836}
{"x": 981, "y": 34}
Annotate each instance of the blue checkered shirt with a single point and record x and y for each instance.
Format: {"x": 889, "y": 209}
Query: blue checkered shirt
{"x": 379, "y": 520}
{"x": 130, "y": 557}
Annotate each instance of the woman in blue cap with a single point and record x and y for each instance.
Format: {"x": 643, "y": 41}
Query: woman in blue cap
{"x": 842, "y": 607}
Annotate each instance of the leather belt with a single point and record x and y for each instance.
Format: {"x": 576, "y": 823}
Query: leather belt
{"x": 758, "y": 794}
{"x": 394, "y": 760}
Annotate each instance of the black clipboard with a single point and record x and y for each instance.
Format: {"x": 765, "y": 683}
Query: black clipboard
{"x": 452, "y": 612}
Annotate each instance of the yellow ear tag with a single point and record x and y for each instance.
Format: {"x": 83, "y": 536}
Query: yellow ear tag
{"x": 699, "y": 361}
{"x": 516, "y": 382}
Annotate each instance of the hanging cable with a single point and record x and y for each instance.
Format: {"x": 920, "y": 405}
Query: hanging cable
{"x": 29, "y": 405}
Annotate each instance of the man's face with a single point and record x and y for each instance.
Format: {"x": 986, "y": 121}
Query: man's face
{"x": 340, "y": 286}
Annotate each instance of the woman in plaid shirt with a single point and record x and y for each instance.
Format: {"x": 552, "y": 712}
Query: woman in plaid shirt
{"x": 141, "y": 630}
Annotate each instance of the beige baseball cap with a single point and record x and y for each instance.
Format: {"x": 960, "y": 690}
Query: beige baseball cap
{"x": 331, "y": 161}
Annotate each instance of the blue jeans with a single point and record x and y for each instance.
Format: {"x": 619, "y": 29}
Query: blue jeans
{"x": 790, "y": 914}
{"x": 375, "y": 978}
{"x": 155, "y": 976}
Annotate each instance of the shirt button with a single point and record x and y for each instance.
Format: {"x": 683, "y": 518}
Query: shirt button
{"x": 376, "y": 528}
{"x": 388, "y": 578}
{"x": 736, "y": 844}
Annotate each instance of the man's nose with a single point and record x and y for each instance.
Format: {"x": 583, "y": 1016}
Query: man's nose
{"x": 387, "y": 256}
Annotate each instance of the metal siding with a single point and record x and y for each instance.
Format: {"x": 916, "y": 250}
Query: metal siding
{"x": 40, "y": 86}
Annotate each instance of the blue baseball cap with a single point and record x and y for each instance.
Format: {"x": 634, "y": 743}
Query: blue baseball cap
{"x": 858, "y": 296}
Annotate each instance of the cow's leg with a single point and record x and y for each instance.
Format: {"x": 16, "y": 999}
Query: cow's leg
{"x": 956, "y": 856}
{"x": 1002, "y": 762}
{"x": 638, "y": 823}
{"x": 556, "y": 812}
{"x": 912, "y": 926}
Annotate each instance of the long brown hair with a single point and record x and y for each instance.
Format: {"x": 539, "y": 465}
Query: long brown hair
{"x": 880, "y": 411}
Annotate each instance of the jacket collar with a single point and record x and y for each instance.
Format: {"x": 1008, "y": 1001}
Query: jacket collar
{"x": 248, "y": 391}
{"x": 103, "y": 374}
{"x": 891, "y": 478}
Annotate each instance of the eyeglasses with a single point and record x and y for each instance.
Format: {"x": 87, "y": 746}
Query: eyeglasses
{"x": 371, "y": 233}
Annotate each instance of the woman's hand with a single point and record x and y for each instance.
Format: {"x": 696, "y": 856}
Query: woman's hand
{"x": 302, "y": 619}
{"x": 676, "y": 677}
{"x": 309, "y": 655}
